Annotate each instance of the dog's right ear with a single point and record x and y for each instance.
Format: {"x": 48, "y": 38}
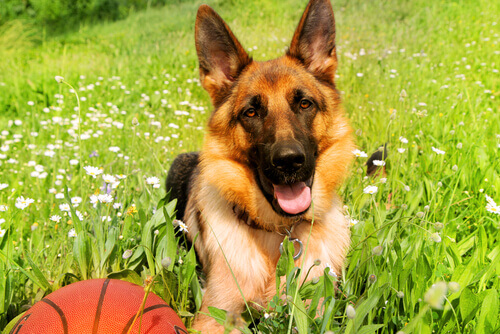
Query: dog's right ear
{"x": 221, "y": 56}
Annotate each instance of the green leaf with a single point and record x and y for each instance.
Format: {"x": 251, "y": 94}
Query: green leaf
{"x": 109, "y": 245}
{"x": 127, "y": 275}
{"x": 300, "y": 315}
{"x": 41, "y": 280}
{"x": 488, "y": 315}
{"x": 369, "y": 329}
{"x": 363, "y": 309}
{"x": 218, "y": 314}
{"x": 330, "y": 303}
{"x": 469, "y": 304}
{"x": 81, "y": 254}
{"x": 13, "y": 323}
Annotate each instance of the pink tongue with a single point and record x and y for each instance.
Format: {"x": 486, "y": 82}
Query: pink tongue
{"x": 294, "y": 198}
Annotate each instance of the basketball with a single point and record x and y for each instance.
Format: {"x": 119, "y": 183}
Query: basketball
{"x": 99, "y": 306}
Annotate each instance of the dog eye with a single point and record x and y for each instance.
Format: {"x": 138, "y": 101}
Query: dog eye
{"x": 304, "y": 104}
{"x": 250, "y": 112}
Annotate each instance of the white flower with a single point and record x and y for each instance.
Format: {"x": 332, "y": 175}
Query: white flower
{"x": 350, "y": 311}
{"x": 114, "y": 149}
{"x": 105, "y": 218}
{"x": 383, "y": 180}
{"x": 491, "y": 206}
{"x": 127, "y": 253}
{"x": 73, "y": 162}
{"x": 94, "y": 200}
{"x": 330, "y": 271}
{"x": 59, "y": 196}
{"x": 22, "y": 203}
{"x": 353, "y": 222}
{"x": 2, "y": 220}
{"x": 379, "y": 162}
{"x": 117, "y": 206}
{"x": 59, "y": 78}
{"x": 3, "y": 185}
{"x": 403, "y": 140}
{"x": 370, "y": 190}
{"x": 3, "y": 208}
{"x": 2, "y": 232}
{"x": 436, "y": 237}
{"x": 64, "y": 207}
{"x": 153, "y": 180}
{"x": 109, "y": 178}
{"x": 121, "y": 176}
{"x": 105, "y": 198}
{"x": 359, "y": 153}
{"x": 438, "y": 151}
{"x": 72, "y": 233}
{"x": 436, "y": 295}
{"x": 76, "y": 201}
{"x": 401, "y": 150}
{"x": 182, "y": 227}
{"x": 92, "y": 171}
{"x": 407, "y": 188}
{"x": 55, "y": 218}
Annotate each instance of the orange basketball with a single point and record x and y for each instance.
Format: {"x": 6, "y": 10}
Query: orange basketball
{"x": 99, "y": 306}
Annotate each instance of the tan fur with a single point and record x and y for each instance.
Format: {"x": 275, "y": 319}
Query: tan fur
{"x": 226, "y": 180}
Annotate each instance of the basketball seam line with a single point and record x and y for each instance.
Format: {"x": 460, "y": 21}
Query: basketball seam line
{"x": 97, "y": 317}
{"x": 60, "y": 312}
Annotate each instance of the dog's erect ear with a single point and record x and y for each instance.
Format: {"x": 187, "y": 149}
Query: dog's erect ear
{"x": 314, "y": 40}
{"x": 221, "y": 56}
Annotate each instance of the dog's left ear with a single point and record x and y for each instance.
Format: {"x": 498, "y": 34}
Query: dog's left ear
{"x": 313, "y": 43}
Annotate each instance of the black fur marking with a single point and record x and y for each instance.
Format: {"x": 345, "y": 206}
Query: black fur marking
{"x": 179, "y": 177}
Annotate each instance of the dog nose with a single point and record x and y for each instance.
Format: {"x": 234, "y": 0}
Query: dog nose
{"x": 288, "y": 157}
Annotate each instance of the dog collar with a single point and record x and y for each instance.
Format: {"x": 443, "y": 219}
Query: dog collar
{"x": 244, "y": 217}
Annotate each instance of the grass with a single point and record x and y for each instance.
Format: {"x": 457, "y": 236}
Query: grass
{"x": 427, "y": 72}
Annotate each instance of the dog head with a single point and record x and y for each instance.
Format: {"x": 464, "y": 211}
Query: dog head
{"x": 276, "y": 124}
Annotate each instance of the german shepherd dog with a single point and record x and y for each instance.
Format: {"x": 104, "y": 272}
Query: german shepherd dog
{"x": 276, "y": 149}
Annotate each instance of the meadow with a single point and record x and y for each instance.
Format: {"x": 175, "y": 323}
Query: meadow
{"x": 83, "y": 161}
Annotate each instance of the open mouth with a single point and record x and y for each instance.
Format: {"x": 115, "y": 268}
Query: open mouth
{"x": 293, "y": 198}
{"x": 290, "y": 199}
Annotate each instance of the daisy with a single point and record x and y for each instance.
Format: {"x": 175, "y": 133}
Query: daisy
{"x": 182, "y": 227}
{"x": 353, "y": 222}
{"x": 379, "y": 162}
{"x": 55, "y": 218}
{"x": 92, "y": 171}
{"x": 403, "y": 140}
{"x": 59, "y": 196}
{"x": 109, "y": 178}
{"x": 153, "y": 180}
{"x": 359, "y": 153}
{"x": 401, "y": 150}
{"x": 22, "y": 203}
{"x": 2, "y": 233}
{"x": 3, "y": 208}
{"x": 64, "y": 207}
{"x": 3, "y": 185}
{"x": 114, "y": 149}
{"x": 105, "y": 198}
{"x": 72, "y": 233}
{"x": 438, "y": 151}
{"x": 330, "y": 271}
{"x": 76, "y": 201}
{"x": 370, "y": 190}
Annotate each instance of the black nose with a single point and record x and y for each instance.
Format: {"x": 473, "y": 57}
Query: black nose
{"x": 288, "y": 156}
